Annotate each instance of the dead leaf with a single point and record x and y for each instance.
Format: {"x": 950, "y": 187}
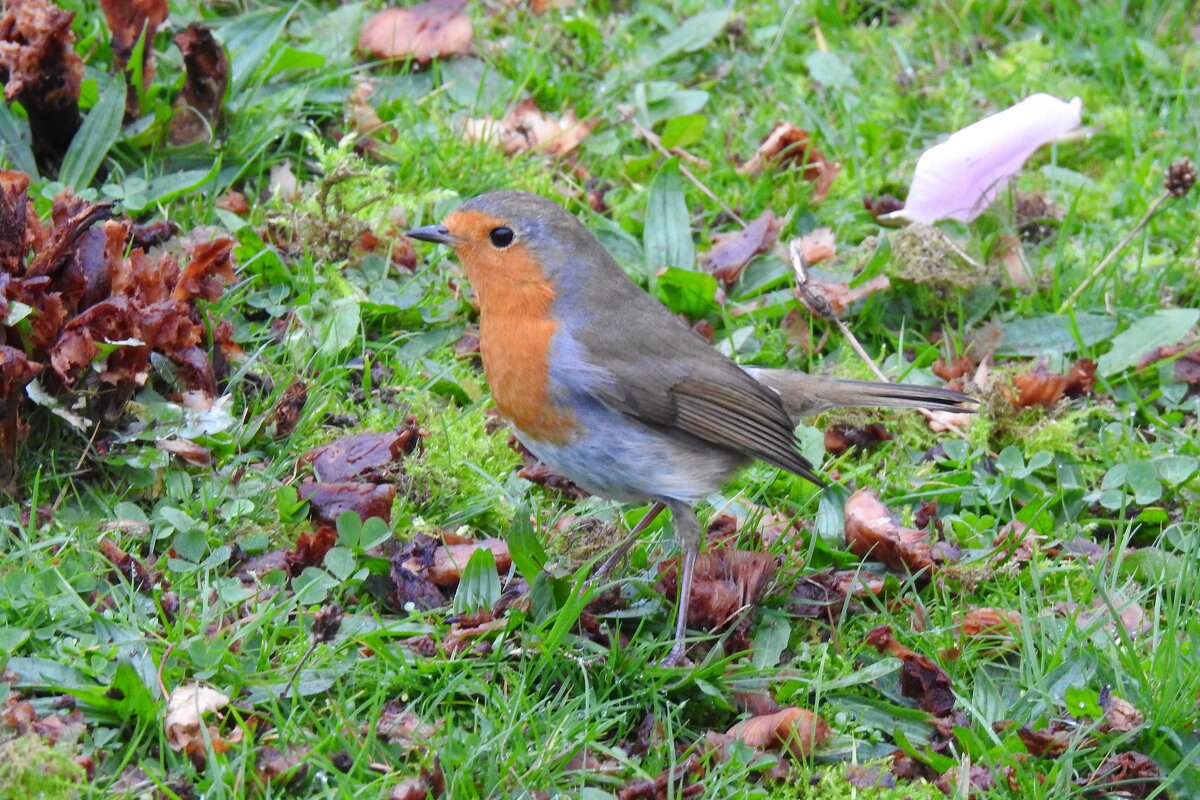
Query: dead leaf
{"x": 41, "y": 70}
{"x": 817, "y": 245}
{"x": 1010, "y": 253}
{"x": 283, "y": 182}
{"x": 920, "y": 678}
{"x": 841, "y": 436}
{"x": 422, "y": 32}
{"x": 796, "y": 729}
{"x": 370, "y": 456}
{"x": 398, "y": 725}
{"x": 535, "y": 471}
{"x": 364, "y": 119}
{"x": 328, "y": 501}
{"x": 431, "y": 783}
{"x": 872, "y": 533}
{"x": 726, "y": 583}
{"x": 1136, "y": 775}
{"x": 409, "y": 575}
{"x": 992, "y": 622}
{"x": 186, "y": 707}
{"x": 186, "y": 450}
{"x": 234, "y": 202}
{"x": 527, "y": 128}
{"x": 281, "y": 770}
{"x": 787, "y": 145}
{"x": 198, "y": 107}
{"x": 1041, "y": 387}
{"x": 127, "y": 19}
{"x": 682, "y": 781}
{"x": 1050, "y": 741}
{"x": 287, "y": 410}
{"x": 731, "y": 252}
{"x": 836, "y": 297}
{"x": 450, "y": 559}
{"x": 881, "y": 205}
{"x": 1119, "y": 715}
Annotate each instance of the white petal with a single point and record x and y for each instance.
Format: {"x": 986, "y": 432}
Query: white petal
{"x": 958, "y": 178}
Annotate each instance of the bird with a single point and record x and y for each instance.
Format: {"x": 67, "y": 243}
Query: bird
{"x": 608, "y": 387}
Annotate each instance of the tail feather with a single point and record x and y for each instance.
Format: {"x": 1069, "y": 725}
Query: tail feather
{"x": 803, "y": 394}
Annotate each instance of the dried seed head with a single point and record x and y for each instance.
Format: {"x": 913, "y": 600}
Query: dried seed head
{"x": 326, "y": 623}
{"x": 1180, "y": 177}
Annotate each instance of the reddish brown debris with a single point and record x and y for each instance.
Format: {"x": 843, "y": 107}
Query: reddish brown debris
{"x": 795, "y": 729}
{"x": 234, "y": 202}
{"x": 198, "y": 107}
{"x": 284, "y": 771}
{"x": 960, "y": 366}
{"x": 373, "y": 457}
{"x": 824, "y": 595}
{"x": 409, "y": 575}
{"x": 685, "y": 779}
{"x": 841, "y": 436}
{"x": 128, "y": 19}
{"x": 287, "y": 410}
{"x": 328, "y": 501}
{"x": 881, "y": 205}
{"x": 41, "y": 70}
{"x": 788, "y": 145}
{"x": 871, "y": 532}
{"x": 920, "y": 678}
{"x": 449, "y": 560}
{"x": 834, "y": 298}
{"x": 1134, "y": 774}
{"x": 731, "y": 252}
{"x": 727, "y": 582}
{"x": 1041, "y": 387}
{"x": 527, "y": 128}
{"x": 993, "y": 622}
{"x": 422, "y": 32}
{"x": 535, "y": 471}
{"x": 1049, "y": 742}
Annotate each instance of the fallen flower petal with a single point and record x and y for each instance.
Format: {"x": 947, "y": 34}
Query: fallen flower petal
{"x": 959, "y": 178}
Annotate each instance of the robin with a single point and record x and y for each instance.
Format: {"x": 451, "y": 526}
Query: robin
{"x": 608, "y": 387}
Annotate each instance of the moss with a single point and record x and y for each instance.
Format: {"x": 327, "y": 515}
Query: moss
{"x": 463, "y": 468}
{"x": 32, "y": 769}
{"x": 832, "y": 785}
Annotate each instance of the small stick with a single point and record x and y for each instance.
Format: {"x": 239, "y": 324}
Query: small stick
{"x": 821, "y": 306}
{"x": 653, "y": 139}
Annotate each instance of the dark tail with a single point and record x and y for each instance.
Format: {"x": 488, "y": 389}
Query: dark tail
{"x": 803, "y": 394}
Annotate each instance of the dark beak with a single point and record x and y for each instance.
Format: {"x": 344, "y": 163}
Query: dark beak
{"x": 438, "y": 234}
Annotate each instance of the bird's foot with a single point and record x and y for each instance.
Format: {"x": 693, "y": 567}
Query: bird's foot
{"x": 676, "y": 658}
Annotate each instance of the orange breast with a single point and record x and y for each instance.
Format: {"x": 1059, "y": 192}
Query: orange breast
{"x": 515, "y": 328}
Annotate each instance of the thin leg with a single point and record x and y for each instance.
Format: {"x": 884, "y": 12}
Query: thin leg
{"x": 687, "y": 533}
{"x": 618, "y": 555}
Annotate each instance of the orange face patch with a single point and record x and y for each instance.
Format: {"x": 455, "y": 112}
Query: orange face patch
{"x": 515, "y": 326}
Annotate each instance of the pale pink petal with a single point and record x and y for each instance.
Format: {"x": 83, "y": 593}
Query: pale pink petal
{"x": 958, "y": 178}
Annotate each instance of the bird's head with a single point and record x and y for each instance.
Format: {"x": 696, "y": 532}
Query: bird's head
{"x": 510, "y": 241}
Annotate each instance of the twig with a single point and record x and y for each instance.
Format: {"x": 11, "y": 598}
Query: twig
{"x": 1112, "y": 254}
{"x": 653, "y": 139}
{"x": 820, "y": 305}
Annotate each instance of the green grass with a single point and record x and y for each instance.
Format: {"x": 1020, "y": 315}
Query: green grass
{"x": 547, "y": 712}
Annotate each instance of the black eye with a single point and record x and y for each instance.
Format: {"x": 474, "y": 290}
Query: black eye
{"x": 501, "y": 237}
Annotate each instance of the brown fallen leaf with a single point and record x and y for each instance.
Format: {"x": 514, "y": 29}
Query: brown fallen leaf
{"x": 977, "y": 779}
{"x": 726, "y": 583}
{"x": 1010, "y": 252}
{"x": 840, "y": 437}
{"x": 1134, "y": 774}
{"x": 207, "y": 273}
{"x": 287, "y": 410}
{"x": 1051, "y": 741}
{"x": 871, "y": 532}
{"x": 817, "y": 245}
{"x": 1129, "y": 614}
{"x": 283, "y": 771}
{"x": 449, "y": 560}
{"x": 1187, "y": 361}
{"x": 127, "y": 19}
{"x": 920, "y": 678}
{"x": 1038, "y": 386}
{"x": 186, "y": 450}
{"x": 1119, "y": 715}
{"x": 431, "y": 783}
{"x": 41, "y": 70}
{"x": 731, "y": 252}
{"x": 535, "y": 471}
{"x": 328, "y": 501}
{"x": 991, "y": 622}
{"x": 369, "y": 456}
{"x": 198, "y": 107}
{"x": 882, "y": 205}
{"x": 410, "y": 563}
{"x": 788, "y": 145}
{"x": 423, "y": 32}
{"x": 398, "y": 725}
{"x": 682, "y": 781}
{"x": 234, "y": 202}
{"x": 187, "y": 706}
{"x": 796, "y": 729}
{"x": 527, "y": 128}
{"x": 958, "y": 367}
{"x": 835, "y": 298}
{"x": 363, "y": 118}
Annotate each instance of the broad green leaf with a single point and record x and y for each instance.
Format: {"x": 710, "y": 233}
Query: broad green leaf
{"x": 14, "y": 139}
{"x": 1055, "y": 333}
{"x": 480, "y": 584}
{"x": 667, "y": 238}
{"x": 11, "y": 638}
{"x": 523, "y": 545}
{"x": 341, "y": 326}
{"x": 1164, "y": 327}
{"x": 1153, "y": 566}
{"x": 690, "y": 293}
{"x": 167, "y": 187}
{"x": 97, "y": 134}
{"x": 693, "y": 34}
{"x": 683, "y": 131}
{"x": 45, "y": 673}
{"x": 830, "y": 71}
